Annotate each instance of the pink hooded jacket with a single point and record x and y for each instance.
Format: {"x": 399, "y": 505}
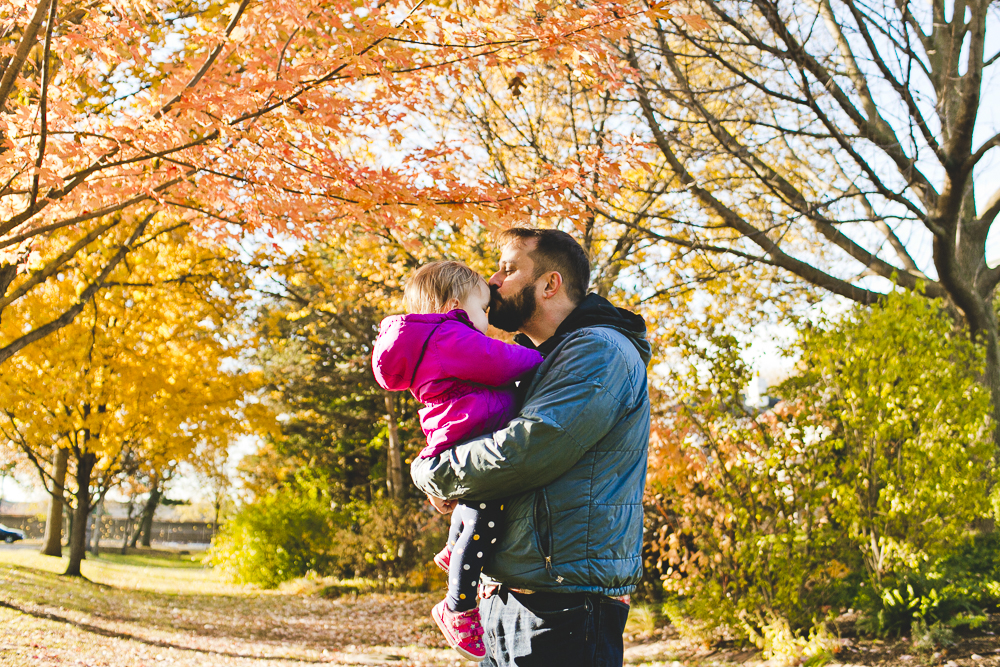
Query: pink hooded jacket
{"x": 462, "y": 376}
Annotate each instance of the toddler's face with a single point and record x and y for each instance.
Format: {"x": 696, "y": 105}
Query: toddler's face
{"x": 475, "y": 304}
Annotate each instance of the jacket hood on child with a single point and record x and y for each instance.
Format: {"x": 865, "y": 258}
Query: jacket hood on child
{"x": 402, "y": 346}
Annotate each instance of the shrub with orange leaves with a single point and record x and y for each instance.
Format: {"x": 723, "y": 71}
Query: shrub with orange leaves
{"x": 872, "y": 469}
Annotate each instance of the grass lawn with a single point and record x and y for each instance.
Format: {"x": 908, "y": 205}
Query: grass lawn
{"x": 153, "y": 608}
{"x": 159, "y": 607}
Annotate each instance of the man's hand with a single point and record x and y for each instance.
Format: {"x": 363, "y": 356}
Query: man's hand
{"x": 442, "y": 505}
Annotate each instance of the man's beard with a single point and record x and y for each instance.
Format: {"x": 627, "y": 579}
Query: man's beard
{"x": 510, "y": 314}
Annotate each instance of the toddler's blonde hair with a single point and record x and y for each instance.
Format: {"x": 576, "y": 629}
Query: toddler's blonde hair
{"x": 433, "y": 285}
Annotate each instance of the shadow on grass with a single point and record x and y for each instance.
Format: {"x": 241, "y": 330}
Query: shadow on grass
{"x": 105, "y": 632}
{"x": 174, "y": 611}
{"x": 276, "y": 622}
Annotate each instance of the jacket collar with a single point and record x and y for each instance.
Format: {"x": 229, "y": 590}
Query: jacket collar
{"x": 596, "y": 311}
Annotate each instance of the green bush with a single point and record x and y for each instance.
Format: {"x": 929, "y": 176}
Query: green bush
{"x": 297, "y": 530}
{"x": 860, "y": 489}
{"x": 948, "y": 593}
{"x": 279, "y": 537}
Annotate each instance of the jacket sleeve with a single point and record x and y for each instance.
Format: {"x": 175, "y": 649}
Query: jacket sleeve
{"x": 472, "y": 356}
{"x": 578, "y": 400}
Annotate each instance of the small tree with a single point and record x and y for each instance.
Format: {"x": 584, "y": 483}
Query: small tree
{"x": 874, "y": 467}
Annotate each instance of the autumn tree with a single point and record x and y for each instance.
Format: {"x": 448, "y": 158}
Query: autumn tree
{"x": 858, "y": 490}
{"x": 254, "y": 116}
{"x": 838, "y": 142}
{"x": 142, "y": 375}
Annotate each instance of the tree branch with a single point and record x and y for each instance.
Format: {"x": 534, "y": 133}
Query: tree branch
{"x": 736, "y": 222}
{"x": 876, "y": 130}
{"x": 233, "y": 22}
{"x": 904, "y": 93}
{"x": 992, "y": 209}
{"x": 21, "y": 53}
{"x": 40, "y": 276}
{"x": 70, "y": 314}
{"x": 980, "y": 153}
{"x": 100, "y": 213}
{"x": 791, "y": 195}
{"x": 43, "y": 104}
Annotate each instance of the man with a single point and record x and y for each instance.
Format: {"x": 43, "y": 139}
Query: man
{"x": 571, "y": 466}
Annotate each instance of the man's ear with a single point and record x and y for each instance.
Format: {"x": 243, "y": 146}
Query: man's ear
{"x": 553, "y": 281}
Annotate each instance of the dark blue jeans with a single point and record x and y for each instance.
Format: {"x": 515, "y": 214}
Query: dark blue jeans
{"x": 551, "y": 630}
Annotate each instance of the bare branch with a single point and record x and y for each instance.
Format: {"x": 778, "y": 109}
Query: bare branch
{"x": 860, "y": 81}
{"x": 24, "y": 47}
{"x": 737, "y": 223}
{"x": 43, "y": 104}
{"x": 791, "y": 195}
{"x": 992, "y": 209}
{"x": 875, "y": 129}
{"x": 980, "y": 153}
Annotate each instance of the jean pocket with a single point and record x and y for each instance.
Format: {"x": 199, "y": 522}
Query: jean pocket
{"x": 618, "y": 604}
{"x": 546, "y": 610}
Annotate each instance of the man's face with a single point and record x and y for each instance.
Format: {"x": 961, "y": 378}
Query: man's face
{"x": 512, "y": 288}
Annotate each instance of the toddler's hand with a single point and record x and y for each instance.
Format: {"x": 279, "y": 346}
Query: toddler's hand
{"x": 442, "y": 505}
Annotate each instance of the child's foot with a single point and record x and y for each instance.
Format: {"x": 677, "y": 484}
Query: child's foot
{"x": 443, "y": 558}
{"x": 462, "y": 630}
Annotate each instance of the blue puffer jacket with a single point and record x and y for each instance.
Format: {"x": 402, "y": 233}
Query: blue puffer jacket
{"x": 572, "y": 464}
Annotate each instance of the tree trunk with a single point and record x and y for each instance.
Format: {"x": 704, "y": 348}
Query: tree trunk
{"x": 89, "y": 533}
{"x": 68, "y": 513}
{"x": 52, "y": 544}
{"x": 78, "y": 534}
{"x": 127, "y": 528}
{"x": 95, "y": 535}
{"x": 395, "y": 467}
{"x": 145, "y": 531}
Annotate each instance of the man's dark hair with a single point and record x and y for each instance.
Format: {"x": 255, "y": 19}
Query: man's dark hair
{"x": 555, "y": 251}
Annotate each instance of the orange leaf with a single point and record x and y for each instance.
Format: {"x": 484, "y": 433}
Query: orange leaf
{"x": 694, "y": 21}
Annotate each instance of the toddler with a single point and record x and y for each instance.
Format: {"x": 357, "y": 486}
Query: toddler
{"x": 464, "y": 378}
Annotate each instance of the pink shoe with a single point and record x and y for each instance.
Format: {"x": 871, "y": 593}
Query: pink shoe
{"x": 443, "y": 558}
{"x": 462, "y": 630}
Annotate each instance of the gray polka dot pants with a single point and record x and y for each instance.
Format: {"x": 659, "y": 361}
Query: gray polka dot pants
{"x": 475, "y": 531}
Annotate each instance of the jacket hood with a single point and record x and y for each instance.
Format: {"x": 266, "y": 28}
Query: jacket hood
{"x": 401, "y": 344}
{"x": 596, "y": 311}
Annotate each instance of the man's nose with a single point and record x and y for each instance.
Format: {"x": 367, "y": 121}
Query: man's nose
{"x": 496, "y": 279}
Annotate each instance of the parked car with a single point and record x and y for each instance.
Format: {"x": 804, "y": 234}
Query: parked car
{"x": 8, "y": 534}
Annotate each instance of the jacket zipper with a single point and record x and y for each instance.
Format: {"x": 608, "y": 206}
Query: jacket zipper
{"x": 546, "y": 545}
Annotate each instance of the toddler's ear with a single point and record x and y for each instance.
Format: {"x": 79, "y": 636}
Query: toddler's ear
{"x": 451, "y": 304}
